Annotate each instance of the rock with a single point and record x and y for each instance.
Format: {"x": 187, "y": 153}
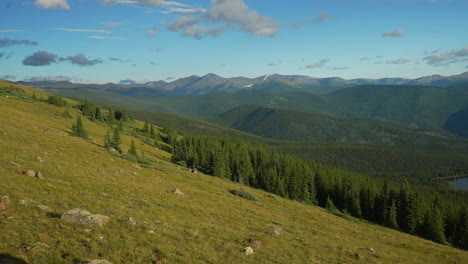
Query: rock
{"x": 39, "y": 159}
{"x": 248, "y": 251}
{"x": 4, "y": 203}
{"x": 104, "y": 218}
{"x": 15, "y": 164}
{"x": 358, "y": 256}
{"x": 130, "y": 221}
{"x": 99, "y": 261}
{"x": 29, "y": 173}
{"x": 39, "y": 175}
{"x": 194, "y": 171}
{"x": 45, "y": 208}
{"x": 82, "y": 217}
{"x": 150, "y": 232}
{"x": 371, "y": 249}
{"x": 112, "y": 150}
{"x": 27, "y": 202}
{"x": 255, "y": 243}
{"x": 178, "y": 192}
{"x": 276, "y": 230}
{"x": 87, "y": 230}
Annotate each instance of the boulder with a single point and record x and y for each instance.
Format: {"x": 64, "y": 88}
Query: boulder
{"x": 39, "y": 175}
{"x": 4, "y": 203}
{"x": 45, "y": 208}
{"x": 276, "y": 230}
{"x": 178, "y": 192}
{"x": 29, "y": 173}
{"x": 130, "y": 221}
{"x": 104, "y": 218}
{"x": 255, "y": 243}
{"x": 82, "y": 217}
{"x": 99, "y": 261}
{"x": 248, "y": 251}
{"x": 27, "y": 202}
{"x": 39, "y": 159}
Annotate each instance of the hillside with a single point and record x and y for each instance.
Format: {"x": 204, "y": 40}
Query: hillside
{"x": 292, "y": 125}
{"x": 423, "y": 107}
{"x": 206, "y": 225}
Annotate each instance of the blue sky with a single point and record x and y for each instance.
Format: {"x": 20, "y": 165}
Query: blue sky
{"x": 102, "y": 41}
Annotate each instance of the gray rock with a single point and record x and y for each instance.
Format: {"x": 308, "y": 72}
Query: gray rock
{"x": 248, "y": 251}
{"x": 276, "y": 230}
{"x": 99, "y": 261}
{"x": 4, "y": 203}
{"x": 39, "y": 175}
{"x": 27, "y": 202}
{"x": 130, "y": 221}
{"x": 45, "y": 208}
{"x": 82, "y": 217}
{"x": 29, "y": 173}
{"x": 178, "y": 192}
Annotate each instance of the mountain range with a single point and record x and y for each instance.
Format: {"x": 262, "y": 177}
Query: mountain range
{"x": 211, "y": 83}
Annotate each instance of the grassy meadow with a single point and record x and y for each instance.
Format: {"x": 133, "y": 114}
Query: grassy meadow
{"x": 207, "y": 225}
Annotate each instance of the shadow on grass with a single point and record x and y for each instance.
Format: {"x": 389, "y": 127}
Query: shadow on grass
{"x": 52, "y": 215}
{"x": 8, "y": 259}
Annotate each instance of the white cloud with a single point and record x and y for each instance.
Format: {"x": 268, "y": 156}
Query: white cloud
{"x": 237, "y": 13}
{"x": 46, "y": 4}
{"x": 398, "y": 61}
{"x": 318, "y": 64}
{"x": 365, "y": 59}
{"x": 143, "y": 3}
{"x": 11, "y": 30}
{"x": 104, "y": 37}
{"x": 446, "y": 58}
{"x": 152, "y": 31}
{"x": 84, "y": 30}
{"x": 185, "y": 11}
{"x": 397, "y": 33}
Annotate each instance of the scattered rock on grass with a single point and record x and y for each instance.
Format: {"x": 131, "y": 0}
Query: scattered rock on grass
{"x": 248, "y": 251}
{"x": 99, "y": 261}
{"x": 104, "y": 218}
{"x": 4, "y": 203}
{"x": 39, "y": 175}
{"x": 45, "y": 208}
{"x": 358, "y": 256}
{"x": 276, "y": 230}
{"x": 27, "y": 202}
{"x": 29, "y": 173}
{"x": 371, "y": 249}
{"x": 82, "y": 217}
{"x": 178, "y": 192}
{"x": 39, "y": 159}
{"x": 130, "y": 221}
{"x": 255, "y": 243}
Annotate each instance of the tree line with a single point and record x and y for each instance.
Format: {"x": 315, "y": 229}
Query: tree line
{"x": 436, "y": 214}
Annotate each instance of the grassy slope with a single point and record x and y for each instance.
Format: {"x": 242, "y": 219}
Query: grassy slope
{"x": 208, "y": 225}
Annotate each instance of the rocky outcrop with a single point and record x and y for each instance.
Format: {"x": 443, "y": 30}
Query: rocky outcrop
{"x": 82, "y": 217}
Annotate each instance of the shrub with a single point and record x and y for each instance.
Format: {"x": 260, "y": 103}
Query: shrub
{"x": 244, "y": 194}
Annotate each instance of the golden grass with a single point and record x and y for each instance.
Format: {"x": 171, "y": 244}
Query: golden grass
{"x": 207, "y": 225}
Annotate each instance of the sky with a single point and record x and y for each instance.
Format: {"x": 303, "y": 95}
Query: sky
{"x": 99, "y": 41}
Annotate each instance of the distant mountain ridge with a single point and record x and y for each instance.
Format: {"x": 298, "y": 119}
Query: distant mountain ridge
{"x": 212, "y": 83}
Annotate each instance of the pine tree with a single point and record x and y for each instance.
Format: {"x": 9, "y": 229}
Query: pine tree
{"x": 152, "y": 133}
{"x": 111, "y": 117}
{"x": 98, "y": 115}
{"x": 78, "y": 128}
{"x": 116, "y": 139}
{"x": 145, "y": 128}
{"x": 133, "y": 149}
{"x": 434, "y": 226}
{"x": 391, "y": 218}
{"x": 108, "y": 143}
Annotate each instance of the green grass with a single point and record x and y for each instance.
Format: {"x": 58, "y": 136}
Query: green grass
{"x": 207, "y": 225}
